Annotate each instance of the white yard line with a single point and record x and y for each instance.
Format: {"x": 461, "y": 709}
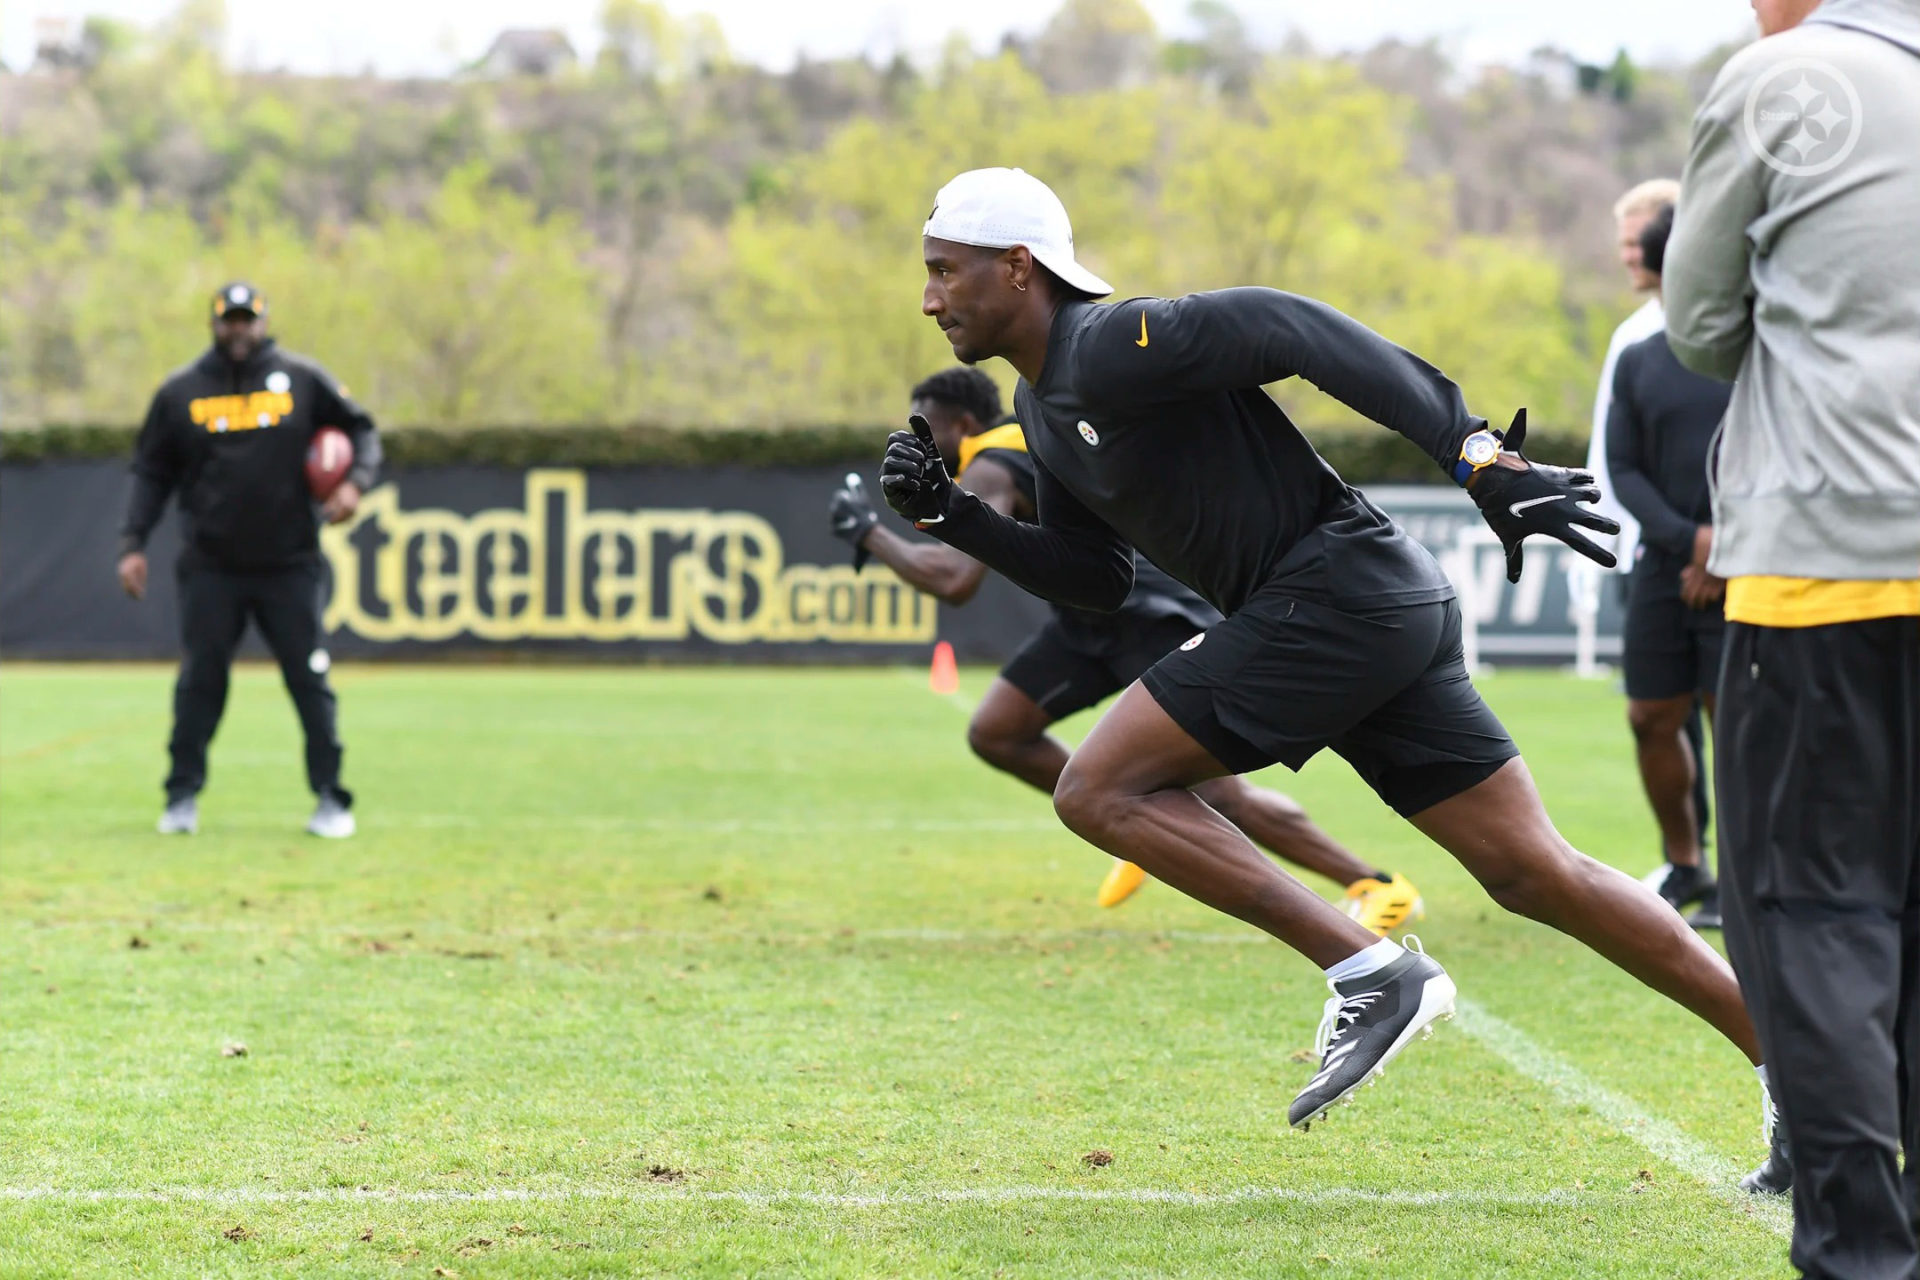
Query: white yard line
{"x": 1039, "y": 820}
{"x": 161, "y": 925}
{"x": 826, "y": 1199}
{"x": 1659, "y": 1137}
{"x": 713, "y": 826}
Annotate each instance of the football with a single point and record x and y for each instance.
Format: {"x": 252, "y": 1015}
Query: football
{"x": 329, "y": 457}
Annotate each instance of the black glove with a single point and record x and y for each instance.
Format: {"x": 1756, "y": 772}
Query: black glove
{"x": 1538, "y": 499}
{"x": 853, "y": 517}
{"x": 913, "y": 476}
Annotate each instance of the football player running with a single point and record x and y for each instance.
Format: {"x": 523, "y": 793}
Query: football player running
{"x": 1078, "y": 659}
{"x": 1149, "y": 429}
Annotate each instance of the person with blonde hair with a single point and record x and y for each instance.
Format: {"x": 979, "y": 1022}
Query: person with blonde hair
{"x": 1631, "y": 213}
{"x": 1665, "y": 755}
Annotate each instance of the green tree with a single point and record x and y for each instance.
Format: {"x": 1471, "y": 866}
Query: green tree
{"x": 481, "y": 310}
{"x": 682, "y": 239}
{"x": 1305, "y": 187}
{"x": 92, "y": 316}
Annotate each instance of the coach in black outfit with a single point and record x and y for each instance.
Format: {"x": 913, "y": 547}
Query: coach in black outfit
{"x": 230, "y": 433}
{"x": 1660, "y": 427}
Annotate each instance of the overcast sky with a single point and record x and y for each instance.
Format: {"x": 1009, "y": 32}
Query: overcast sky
{"x": 430, "y": 37}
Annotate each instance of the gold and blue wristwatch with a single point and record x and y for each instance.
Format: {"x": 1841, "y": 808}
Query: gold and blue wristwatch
{"x": 1479, "y": 450}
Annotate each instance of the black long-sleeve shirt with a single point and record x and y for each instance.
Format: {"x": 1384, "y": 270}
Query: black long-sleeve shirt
{"x": 1155, "y": 595}
{"x": 1151, "y": 430}
{"x": 232, "y": 440}
{"x": 1660, "y": 429}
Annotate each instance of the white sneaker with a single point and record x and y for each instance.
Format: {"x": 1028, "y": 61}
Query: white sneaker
{"x": 331, "y": 819}
{"x": 179, "y": 818}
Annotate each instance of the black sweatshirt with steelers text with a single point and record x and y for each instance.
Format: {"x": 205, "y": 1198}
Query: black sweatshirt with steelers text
{"x": 231, "y": 439}
{"x": 1150, "y": 430}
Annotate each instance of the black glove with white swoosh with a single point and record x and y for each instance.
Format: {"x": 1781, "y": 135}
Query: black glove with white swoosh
{"x": 1530, "y": 499}
{"x": 913, "y": 476}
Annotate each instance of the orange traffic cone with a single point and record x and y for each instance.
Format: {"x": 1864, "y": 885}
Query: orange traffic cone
{"x": 944, "y": 678}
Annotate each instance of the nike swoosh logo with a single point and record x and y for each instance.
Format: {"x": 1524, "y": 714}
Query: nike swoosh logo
{"x": 1518, "y": 507}
{"x": 1142, "y": 340}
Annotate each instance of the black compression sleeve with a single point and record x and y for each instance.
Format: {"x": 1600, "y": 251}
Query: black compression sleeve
{"x": 1237, "y": 339}
{"x": 1071, "y": 557}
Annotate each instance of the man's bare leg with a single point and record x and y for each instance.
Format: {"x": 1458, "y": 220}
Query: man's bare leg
{"x": 1500, "y": 832}
{"x": 1126, "y": 790}
{"x": 1009, "y": 731}
{"x": 1668, "y": 772}
{"x": 1277, "y": 822}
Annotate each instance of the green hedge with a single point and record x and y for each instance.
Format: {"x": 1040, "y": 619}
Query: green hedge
{"x": 1364, "y": 454}
{"x": 577, "y": 446}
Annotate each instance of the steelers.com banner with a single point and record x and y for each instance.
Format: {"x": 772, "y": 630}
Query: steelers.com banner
{"x": 718, "y": 564}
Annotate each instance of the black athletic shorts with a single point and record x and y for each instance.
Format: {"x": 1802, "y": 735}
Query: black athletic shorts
{"x": 1065, "y": 673}
{"x": 1668, "y": 650}
{"x": 1387, "y": 690}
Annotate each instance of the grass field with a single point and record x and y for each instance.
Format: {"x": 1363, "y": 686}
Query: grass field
{"x": 759, "y": 973}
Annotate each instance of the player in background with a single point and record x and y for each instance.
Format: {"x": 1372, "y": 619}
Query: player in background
{"x": 1683, "y": 876}
{"x": 1661, "y": 422}
{"x": 1079, "y": 659}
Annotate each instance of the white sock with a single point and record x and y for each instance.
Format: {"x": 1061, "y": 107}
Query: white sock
{"x": 1368, "y": 960}
{"x": 1766, "y": 1085}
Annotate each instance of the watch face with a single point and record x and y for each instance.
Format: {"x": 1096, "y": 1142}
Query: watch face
{"x": 1481, "y": 449}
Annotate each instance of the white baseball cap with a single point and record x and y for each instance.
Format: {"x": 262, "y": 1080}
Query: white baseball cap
{"x": 1000, "y": 208}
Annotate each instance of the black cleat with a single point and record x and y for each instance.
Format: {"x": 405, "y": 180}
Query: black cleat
{"x": 1774, "y": 1177}
{"x": 1680, "y": 886}
{"x": 1367, "y": 1022}
{"x": 1707, "y": 914}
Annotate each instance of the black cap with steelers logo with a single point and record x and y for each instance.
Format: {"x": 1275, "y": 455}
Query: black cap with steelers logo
{"x": 238, "y": 297}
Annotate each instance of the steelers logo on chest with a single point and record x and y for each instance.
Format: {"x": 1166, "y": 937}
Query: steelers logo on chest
{"x": 1088, "y": 434}
{"x": 278, "y": 382}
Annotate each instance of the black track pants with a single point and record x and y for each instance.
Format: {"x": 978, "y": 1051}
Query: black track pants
{"x": 215, "y": 605}
{"x": 1819, "y": 780}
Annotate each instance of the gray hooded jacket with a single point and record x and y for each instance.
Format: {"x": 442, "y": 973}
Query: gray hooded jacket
{"x": 1794, "y": 270}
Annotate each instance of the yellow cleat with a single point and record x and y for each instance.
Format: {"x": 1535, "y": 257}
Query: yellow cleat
{"x": 1383, "y": 905}
{"x": 1120, "y": 883}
